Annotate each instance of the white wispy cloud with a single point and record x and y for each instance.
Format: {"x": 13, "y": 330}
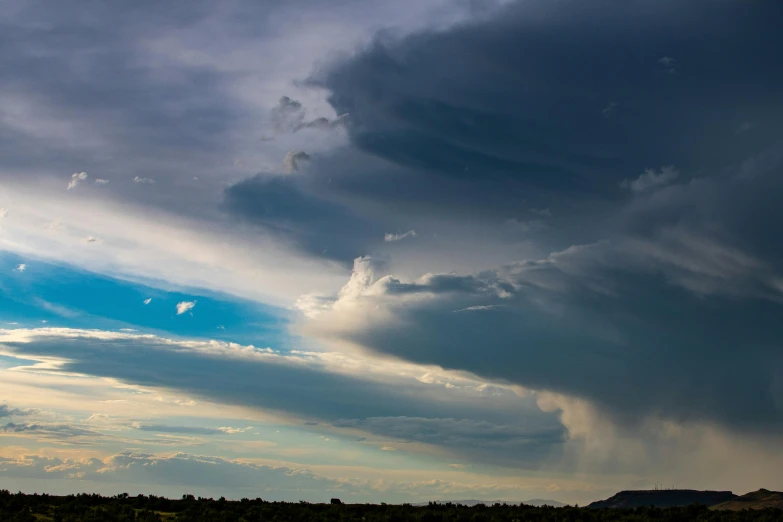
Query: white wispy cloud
{"x": 651, "y": 178}
{"x": 76, "y": 178}
{"x": 147, "y": 301}
{"x": 478, "y": 308}
{"x": 21, "y": 267}
{"x": 55, "y": 225}
{"x": 668, "y": 63}
{"x": 389, "y": 237}
{"x": 542, "y": 211}
{"x": 526, "y": 225}
{"x": 142, "y": 244}
{"x": 745, "y": 126}
{"x": 607, "y": 112}
{"x": 185, "y": 306}
{"x": 233, "y": 431}
{"x": 147, "y": 181}
{"x": 100, "y": 181}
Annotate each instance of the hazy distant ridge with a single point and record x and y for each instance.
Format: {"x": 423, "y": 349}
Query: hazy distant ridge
{"x": 531, "y": 502}
{"x": 761, "y": 499}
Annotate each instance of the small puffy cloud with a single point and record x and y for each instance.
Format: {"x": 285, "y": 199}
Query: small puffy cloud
{"x": 76, "y": 178}
{"x": 668, "y": 63}
{"x": 607, "y": 112}
{"x": 143, "y": 181}
{"x": 185, "y": 306}
{"x": 55, "y": 226}
{"x": 651, "y": 179}
{"x": 293, "y": 158}
{"x": 289, "y": 116}
{"x": 7, "y": 411}
{"x": 100, "y": 181}
{"x": 327, "y": 124}
{"x": 397, "y": 237}
{"x": 148, "y": 301}
{"x": 3, "y": 212}
{"x": 91, "y": 239}
{"x": 21, "y": 267}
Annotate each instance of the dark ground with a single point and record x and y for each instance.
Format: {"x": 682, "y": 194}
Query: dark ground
{"x": 93, "y": 508}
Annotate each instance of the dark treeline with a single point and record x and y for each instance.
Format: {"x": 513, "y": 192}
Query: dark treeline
{"x": 124, "y": 508}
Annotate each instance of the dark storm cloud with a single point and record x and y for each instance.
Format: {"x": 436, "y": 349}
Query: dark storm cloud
{"x": 346, "y": 202}
{"x": 521, "y": 96}
{"x": 489, "y": 119}
{"x": 287, "y": 206}
{"x": 490, "y": 441}
{"x": 737, "y": 207}
{"x": 666, "y": 303}
{"x": 678, "y": 326}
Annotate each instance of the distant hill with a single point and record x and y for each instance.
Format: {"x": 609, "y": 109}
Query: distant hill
{"x": 531, "y": 502}
{"x": 664, "y": 498}
{"x": 760, "y": 499}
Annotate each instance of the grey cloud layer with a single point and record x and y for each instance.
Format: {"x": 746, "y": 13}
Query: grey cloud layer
{"x": 304, "y": 386}
{"x": 54, "y": 431}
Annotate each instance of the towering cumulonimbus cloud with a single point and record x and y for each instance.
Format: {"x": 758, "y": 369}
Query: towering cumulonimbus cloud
{"x": 659, "y": 280}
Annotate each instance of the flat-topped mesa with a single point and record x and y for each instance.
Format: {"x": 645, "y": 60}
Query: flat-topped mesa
{"x": 664, "y": 498}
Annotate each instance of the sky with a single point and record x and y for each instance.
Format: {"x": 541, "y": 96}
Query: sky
{"x": 391, "y": 251}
